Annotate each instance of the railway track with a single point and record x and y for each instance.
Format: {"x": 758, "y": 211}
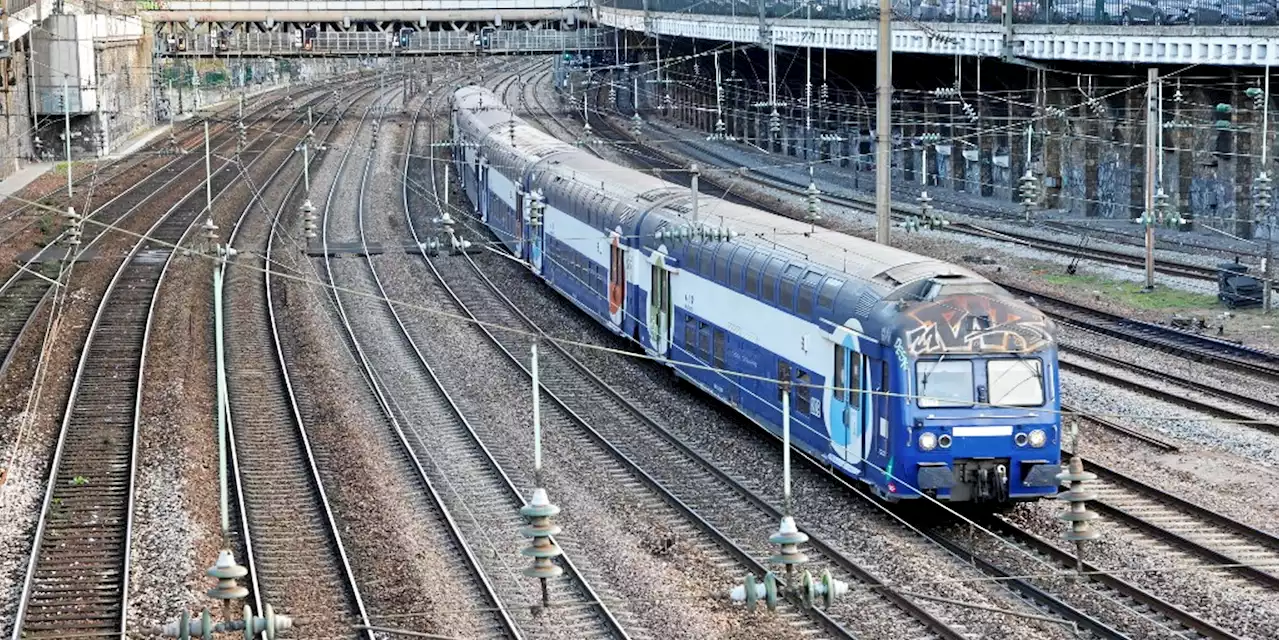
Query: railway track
{"x": 487, "y": 495}
{"x": 76, "y": 581}
{"x": 1215, "y": 538}
{"x": 99, "y": 178}
{"x": 464, "y": 489}
{"x": 293, "y": 548}
{"x": 25, "y": 292}
{"x": 1166, "y": 616}
{"x": 1178, "y": 390}
{"x": 1195, "y": 346}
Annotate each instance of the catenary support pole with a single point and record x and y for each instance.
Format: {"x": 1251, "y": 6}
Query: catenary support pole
{"x": 208, "y": 173}
{"x": 1149, "y": 190}
{"x": 66, "y": 133}
{"x": 884, "y": 101}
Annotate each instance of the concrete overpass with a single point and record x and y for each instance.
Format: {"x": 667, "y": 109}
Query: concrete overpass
{"x": 1227, "y": 45}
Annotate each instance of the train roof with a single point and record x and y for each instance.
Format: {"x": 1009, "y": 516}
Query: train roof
{"x": 489, "y": 113}
{"x": 885, "y": 275}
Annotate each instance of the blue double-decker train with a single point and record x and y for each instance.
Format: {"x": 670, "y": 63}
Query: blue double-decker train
{"x": 915, "y": 376}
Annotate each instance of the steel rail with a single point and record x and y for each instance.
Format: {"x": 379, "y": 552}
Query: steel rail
{"x": 115, "y": 169}
{"x": 242, "y": 469}
{"x": 508, "y": 626}
{"x": 1264, "y": 542}
{"x": 576, "y": 575}
{"x": 24, "y": 294}
{"x": 1111, "y": 581}
{"x": 1067, "y": 364}
{"x": 102, "y": 446}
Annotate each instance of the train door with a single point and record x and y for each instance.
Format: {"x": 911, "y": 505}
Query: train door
{"x": 517, "y": 228}
{"x": 536, "y": 210}
{"x": 845, "y": 417}
{"x": 480, "y": 172}
{"x": 617, "y": 280}
{"x": 659, "y": 304}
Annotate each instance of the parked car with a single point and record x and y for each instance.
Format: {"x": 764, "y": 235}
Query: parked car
{"x": 1023, "y": 10}
{"x": 1192, "y": 11}
{"x": 1249, "y": 12}
{"x": 1141, "y": 12}
{"x": 927, "y": 10}
{"x": 1080, "y": 12}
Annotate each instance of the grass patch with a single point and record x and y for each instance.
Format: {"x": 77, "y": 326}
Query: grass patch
{"x": 1131, "y": 293}
{"x": 60, "y": 168}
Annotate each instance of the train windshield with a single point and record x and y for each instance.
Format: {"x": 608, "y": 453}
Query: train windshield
{"x": 944, "y": 383}
{"x": 1015, "y": 382}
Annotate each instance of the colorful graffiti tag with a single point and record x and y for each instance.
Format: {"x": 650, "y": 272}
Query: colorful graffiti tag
{"x": 974, "y": 324}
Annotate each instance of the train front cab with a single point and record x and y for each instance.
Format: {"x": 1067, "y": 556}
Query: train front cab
{"x": 981, "y": 428}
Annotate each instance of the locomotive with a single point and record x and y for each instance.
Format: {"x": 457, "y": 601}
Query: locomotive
{"x": 912, "y": 375}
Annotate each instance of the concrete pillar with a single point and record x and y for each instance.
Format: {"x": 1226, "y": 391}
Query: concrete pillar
{"x": 986, "y": 141}
{"x": 1136, "y": 147}
{"x": 1243, "y": 123}
{"x": 1019, "y": 162}
{"x": 1054, "y": 143}
{"x": 1094, "y": 126}
{"x": 957, "y": 154}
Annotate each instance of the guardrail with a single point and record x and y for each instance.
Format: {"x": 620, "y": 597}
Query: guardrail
{"x": 379, "y": 43}
{"x": 1106, "y": 12}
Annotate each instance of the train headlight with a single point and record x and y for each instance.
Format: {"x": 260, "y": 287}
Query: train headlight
{"x": 928, "y": 441}
{"x": 1020, "y": 439}
{"x": 1037, "y": 438}
{"x": 944, "y": 441}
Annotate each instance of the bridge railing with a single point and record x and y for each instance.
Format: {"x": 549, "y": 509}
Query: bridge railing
{"x": 380, "y": 43}
{"x": 1096, "y": 12}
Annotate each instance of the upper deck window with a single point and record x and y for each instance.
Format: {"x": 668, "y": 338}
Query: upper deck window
{"x": 944, "y": 383}
{"x": 1015, "y": 382}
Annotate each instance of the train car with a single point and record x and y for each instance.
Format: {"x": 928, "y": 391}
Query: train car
{"x": 912, "y": 375}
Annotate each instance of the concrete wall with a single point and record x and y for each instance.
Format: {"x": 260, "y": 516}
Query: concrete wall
{"x": 15, "y": 144}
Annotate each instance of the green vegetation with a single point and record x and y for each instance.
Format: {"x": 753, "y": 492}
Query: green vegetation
{"x": 1131, "y": 293}
{"x": 79, "y": 166}
{"x": 46, "y": 224}
{"x": 79, "y": 481}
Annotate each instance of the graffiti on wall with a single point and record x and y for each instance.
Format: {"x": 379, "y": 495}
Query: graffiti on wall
{"x": 974, "y": 324}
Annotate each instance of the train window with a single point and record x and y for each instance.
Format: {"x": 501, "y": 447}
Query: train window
{"x": 944, "y": 383}
{"x": 802, "y": 393}
{"x": 753, "y": 275}
{"x": 717, "y": 349}
{"x": 808, "y": 286}
{"x": 768, "y": 289}
{"x": 787, "y": 289}
{"x": 784, "y": 376}
{"x": 1015, "y": 382}
{"x": 827, "y": 295}
{"x": 722, "y": 266}
{"x": 737, "y": 268}
{"x": 704, "y": 341}
{"x": 840, "y": 377}
{"x": 690, "y": 334}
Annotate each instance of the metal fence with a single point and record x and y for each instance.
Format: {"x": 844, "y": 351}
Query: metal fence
{"x": 377, "y": 43}
{"x": 1108, "y": 12}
